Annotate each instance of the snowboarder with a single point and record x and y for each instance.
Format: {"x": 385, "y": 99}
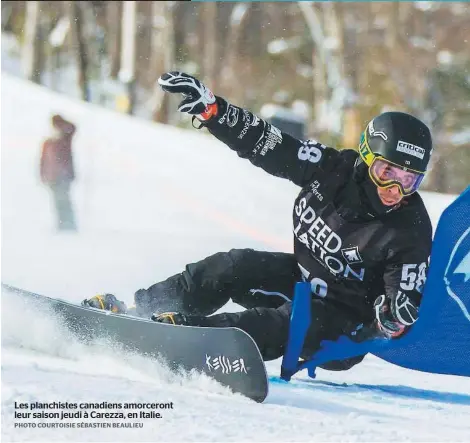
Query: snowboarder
{"x": 362, "y": 235}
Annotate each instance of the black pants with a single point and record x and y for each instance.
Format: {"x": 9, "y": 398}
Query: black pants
{"x": 261, "y": 282}
{"x": 65, "y": 217}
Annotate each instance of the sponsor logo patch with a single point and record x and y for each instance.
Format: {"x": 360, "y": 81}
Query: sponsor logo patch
{"x": 457, "y": 274}
{"x": 325, "y": 244}
{"x": 232, "y": 116}
{"x": 410, "y": 149}
{"x": 351, "y": 255}
{"x": 269, "y": 140}
{"x": 374, "y": 133}
{"x": 314, "y": 187}
{"x": 225, "y": 365}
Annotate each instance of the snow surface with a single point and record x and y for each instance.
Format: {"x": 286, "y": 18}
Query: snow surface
{"x": 149, "y": 199}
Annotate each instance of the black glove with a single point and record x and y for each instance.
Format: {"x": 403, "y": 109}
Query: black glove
{"x": 198, "y": 100}
{"x": 394, "y": 315}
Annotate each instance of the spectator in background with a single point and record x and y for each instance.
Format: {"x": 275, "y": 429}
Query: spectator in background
{"x": 57, "y": 171}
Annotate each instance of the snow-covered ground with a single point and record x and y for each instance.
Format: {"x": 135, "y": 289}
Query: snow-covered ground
{"x": 150, "y": 198}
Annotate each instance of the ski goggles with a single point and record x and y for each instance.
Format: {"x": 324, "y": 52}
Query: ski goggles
{"x": 386, "y": 174}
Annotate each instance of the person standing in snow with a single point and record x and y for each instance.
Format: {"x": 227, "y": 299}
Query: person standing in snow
{"x": 57, "y": 170}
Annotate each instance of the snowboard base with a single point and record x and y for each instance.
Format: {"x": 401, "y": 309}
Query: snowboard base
{"x": 228, "y": 355}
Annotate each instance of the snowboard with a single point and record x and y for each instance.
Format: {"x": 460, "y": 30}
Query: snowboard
{"x": 228, "y": 355}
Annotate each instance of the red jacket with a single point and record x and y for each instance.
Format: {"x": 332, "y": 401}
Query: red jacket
{"x": 56, "y": 157}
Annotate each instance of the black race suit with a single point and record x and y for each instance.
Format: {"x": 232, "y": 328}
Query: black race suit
{"x": 350, "y": 252}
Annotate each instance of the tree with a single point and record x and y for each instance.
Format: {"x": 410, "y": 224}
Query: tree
{"x": 128, "y": 39}
{"x": 32, "y": 56}
{"x": 329, "y": 83}
{"x": 209, "y": 57}
{"x": 163, "y": 54}
{"x": 113, "y": 37}
{"x": 74, "y": 12}
{"x": 229, "y": 75}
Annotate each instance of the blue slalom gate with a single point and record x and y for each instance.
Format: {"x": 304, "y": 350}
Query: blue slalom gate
{"x": 439, "y": 342}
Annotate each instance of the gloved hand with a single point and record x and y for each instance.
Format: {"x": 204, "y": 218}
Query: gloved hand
{"x": 394, "y": 315}
{"x": 198, "y": 100}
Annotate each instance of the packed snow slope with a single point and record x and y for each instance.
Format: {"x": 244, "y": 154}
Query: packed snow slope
{"x": 149, "y": 199}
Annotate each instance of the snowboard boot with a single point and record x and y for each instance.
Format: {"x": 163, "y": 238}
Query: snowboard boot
{"x": 177, "y": 318}
{"x": 108, "y": 302}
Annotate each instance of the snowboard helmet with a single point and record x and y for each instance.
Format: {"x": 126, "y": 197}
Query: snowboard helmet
{"x": 396, "y": 148}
